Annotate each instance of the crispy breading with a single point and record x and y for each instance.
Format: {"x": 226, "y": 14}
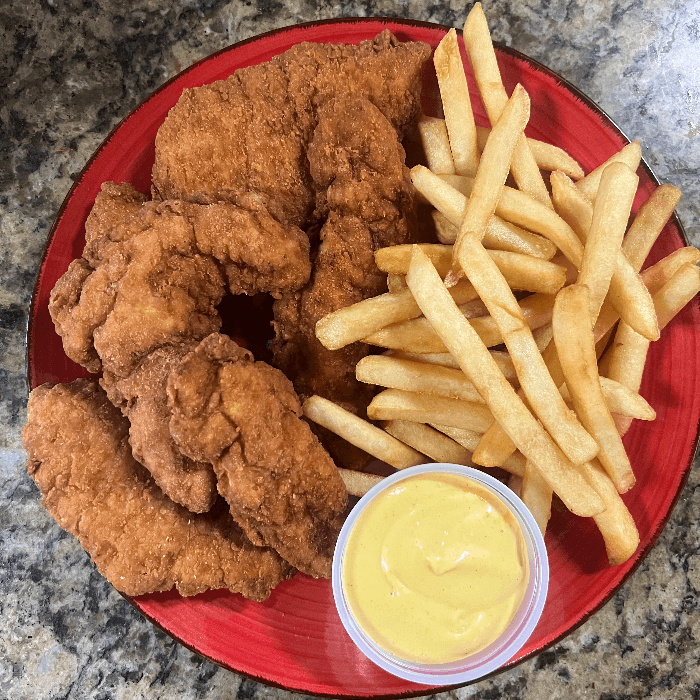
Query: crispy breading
{"x": 140, "y": 540}
{"x": 143, "y": 400}
{"x": 245, "y": 418}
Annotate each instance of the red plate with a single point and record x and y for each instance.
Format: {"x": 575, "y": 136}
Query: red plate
{"x": 295, "y": 638}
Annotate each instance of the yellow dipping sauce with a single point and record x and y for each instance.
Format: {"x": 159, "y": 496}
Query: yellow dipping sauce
{"x": 435, "y": 568}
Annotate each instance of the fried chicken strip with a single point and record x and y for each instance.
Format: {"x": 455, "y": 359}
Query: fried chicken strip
{"x": 143, "y": 400}
{"x": 244, "y": 417}
{"x": 364, "y": 190}
{"x": 138, "y": 538}
{"x": 249, "y": 133}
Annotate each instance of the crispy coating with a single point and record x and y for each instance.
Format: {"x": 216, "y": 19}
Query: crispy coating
{"x": 151, "y": 274}
{"x": 245, "y": 418}
{"x": 249, "y": 133}
{"x": 143, "y": 400}
{"x": 138, "y": 538}
{"x": 364, "y": 190}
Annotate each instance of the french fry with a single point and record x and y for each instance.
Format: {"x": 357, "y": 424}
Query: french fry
{"x": 436, "y": 144}
{"x": 523, "y": 272}
{"x": 393, "y": 404}
{"x": 535, "y": 381}
{"x": 659, "y": 274}
{"x": 536, "y": 494}
{"x": 515, "y": 484}
{"x": 360, "y": 320}
{"x": 395, "y": 283}
{"x": 514, "y": 206}
{"x": 630, "y": 155}
{"x": 626, "y": 291}
{"x": 515, "y": 464}
{"x": 456, "y": 104}
{"x": 418, "y": 335}
{"x": 361, "y": 433}
{"x": 358, "y": 483}
{"x": 410, "y": 375}
{"x": 477, "y": 40}
{"x": 546, "y": 156}
{"x": 491, "y": 174}
{"x": 477, "y": 363}
{"x": 618, "y": 185}
{"x": 626, "y": 357}
{"x": 430, "y": 442}
{"x": 573, "y": 337}
{"x": 502, "y": 359}
{"x": 615, "y": 523}
{"x": 648, "y": 223}
{"x": 620, "y": 399}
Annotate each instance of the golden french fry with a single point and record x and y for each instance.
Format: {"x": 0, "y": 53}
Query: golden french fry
{"x": 505, "y": 364}
{"x": 515, "y": 464}
{"x": 395, "y": 283}
{"x": 421, "y": 377}
{"x": 615, "y": 522}
{"x": 620, "y": 399}
{"x": 491, "y": 174}
{"x": 573, "y": 337}
{"x": 436, "y": 144}
{"x": 482, "y": 57}
{"x": 630, "y": 155}
{"x": 659, "y": 274}
{"x": 430, "y": 442}
{"x": 366, "y": 317}
{"x": 393, "y": 404}
{"x": 546, "y": 156}
{"x": 535, "y": 381}
{"x": 418, "y": 335}
{"x": 523, "y": 272}
{"x": 626, "y": 292}
{"x": 479, "y": 366}
{"x": 456, "y": 104}
{"x": 358, "y": 483}
{"x": 542, "y": 336}
{"x": 514, "y": 206}
{"x": 360, "y": 433}
{"x": 536, "y": 494}
{"x": 648, "y": 223}
{"x": 618, "y": 185}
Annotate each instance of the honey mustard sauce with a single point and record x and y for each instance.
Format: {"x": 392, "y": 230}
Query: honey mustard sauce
{"x": 435, "y": 568}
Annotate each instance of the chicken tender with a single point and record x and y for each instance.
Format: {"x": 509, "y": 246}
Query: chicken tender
{"x": 249, "y": 133}
{"x": 143, "y": 400}
{"x": 245, "y": 418}
{"x": 137, "y": 537}
{"x": 151, "y": 274}
{"x": 365, "y": 193}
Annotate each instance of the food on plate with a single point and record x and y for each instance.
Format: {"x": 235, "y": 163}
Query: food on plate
{"x": 142, "y": 398}
{"x": 244, "y": 418}
{"x": 357, "y": 161}
{"x": 577, "y": 454}
{"x": 251, "y": 132}
{"x": 139, "y": 539}
{"x": 151, "y": 275}
{"x": 413, "y": 579}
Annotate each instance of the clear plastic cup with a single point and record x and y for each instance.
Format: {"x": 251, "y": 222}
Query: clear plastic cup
{"x": 513, "y": 637}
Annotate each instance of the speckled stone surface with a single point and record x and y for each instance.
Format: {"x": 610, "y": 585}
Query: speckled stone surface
{"x": 70, "y": 70}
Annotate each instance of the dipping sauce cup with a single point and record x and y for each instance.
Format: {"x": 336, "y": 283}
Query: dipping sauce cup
{"x": 440, "y": 551}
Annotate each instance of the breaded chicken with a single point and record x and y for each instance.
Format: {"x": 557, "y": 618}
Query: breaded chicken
{"x": 245, "y": 418}
{"x": 151, "y": 274}
{"x": 365, "y": 194}
{"x": 143, "y": 400}
{"x": 249, "y": 133}
{"x": 137, "y": 537}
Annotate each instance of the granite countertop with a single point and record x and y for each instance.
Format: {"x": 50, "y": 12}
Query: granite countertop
{"x": 69, "y": 71}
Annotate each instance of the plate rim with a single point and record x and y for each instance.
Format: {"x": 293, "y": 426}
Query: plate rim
{"x": 388, "y": 20}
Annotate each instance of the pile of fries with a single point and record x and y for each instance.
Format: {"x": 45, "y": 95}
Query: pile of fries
{"x": 552, "y": 408}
